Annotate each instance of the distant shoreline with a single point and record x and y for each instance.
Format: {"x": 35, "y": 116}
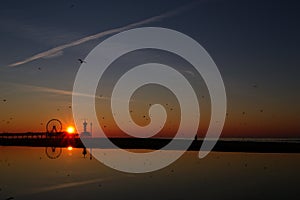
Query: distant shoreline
{"x": 257, "y": 145}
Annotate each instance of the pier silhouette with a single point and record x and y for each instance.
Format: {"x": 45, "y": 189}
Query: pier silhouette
{"x": 40, "y": 139}
{"x": 55, "y": 137}
{"x": 63, "y": 139}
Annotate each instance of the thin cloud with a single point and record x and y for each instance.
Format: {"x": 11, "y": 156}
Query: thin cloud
{"x": 52, "y": 90}
{"x": 61, "y": 92}
{"x": 55, "y": 91}
{"x": 57, "y": 49}
{"x": 189, "y": 72}
{"x": 67, "y": 185}
{"x": 55, "y": 55}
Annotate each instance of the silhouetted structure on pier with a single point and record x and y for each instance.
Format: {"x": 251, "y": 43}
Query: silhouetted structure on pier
{"x": 85, "y": 133}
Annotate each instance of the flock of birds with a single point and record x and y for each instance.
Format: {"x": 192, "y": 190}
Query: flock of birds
{"x": 81, "y": 61}
{"x": 4, "y": 100}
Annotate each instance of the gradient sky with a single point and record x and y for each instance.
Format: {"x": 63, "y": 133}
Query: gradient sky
{"x": 254, "y": 43}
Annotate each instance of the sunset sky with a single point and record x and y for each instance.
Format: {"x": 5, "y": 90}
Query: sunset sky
{"x": 254, "y": 43}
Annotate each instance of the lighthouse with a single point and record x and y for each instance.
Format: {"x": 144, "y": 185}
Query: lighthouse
{"x": 85, "y": 133}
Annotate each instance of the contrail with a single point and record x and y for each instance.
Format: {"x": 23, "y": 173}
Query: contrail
{"x": 104, "y": 33}
{"x": 53, "y": 90}
{"x": 59, "y": 91}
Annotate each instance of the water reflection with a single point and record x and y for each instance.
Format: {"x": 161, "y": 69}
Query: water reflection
{"x": 28, "y": 173}
{"x": 84, "y": 153}
{"x": 55, "y": 152}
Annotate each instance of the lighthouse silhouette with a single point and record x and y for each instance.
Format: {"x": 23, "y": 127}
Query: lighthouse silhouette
{"x": 85, "y": 133}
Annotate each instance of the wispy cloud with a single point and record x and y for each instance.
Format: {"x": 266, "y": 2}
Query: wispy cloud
{"x": 61, "y": 92}
{"x": 67, "y": 185}
{"x": 189, "y": 72}
{"x": 54, "y": 91}
{"x": 49, "y": 90}
{"x": 57, "y": 54}
{"x": 60, "y": 48}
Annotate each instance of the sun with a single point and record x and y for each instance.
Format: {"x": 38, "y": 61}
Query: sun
{"x": 70, "y": 129}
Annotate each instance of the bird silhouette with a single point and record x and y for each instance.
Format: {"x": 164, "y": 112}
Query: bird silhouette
{"x": 81, "y": 61}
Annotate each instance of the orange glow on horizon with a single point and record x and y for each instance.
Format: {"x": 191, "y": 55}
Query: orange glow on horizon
{"x": 70, "y": 148}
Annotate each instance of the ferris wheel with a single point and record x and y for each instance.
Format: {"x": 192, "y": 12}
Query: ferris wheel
{"x": 53, "y": 127}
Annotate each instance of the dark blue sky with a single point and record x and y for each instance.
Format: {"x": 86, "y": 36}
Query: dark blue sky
{"x": 253, "y": 42}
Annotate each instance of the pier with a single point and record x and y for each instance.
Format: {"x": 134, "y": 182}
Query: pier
{"x": 66, "y": 140}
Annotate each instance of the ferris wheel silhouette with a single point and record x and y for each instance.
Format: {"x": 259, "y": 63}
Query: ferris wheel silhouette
{"x": 53, "y": 127}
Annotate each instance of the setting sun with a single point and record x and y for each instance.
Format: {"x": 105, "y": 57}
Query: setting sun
{"x": 70, "y": 129}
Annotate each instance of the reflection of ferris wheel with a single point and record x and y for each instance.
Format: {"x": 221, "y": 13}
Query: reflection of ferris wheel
{"x": 53, "y": 152}
{"x": 54, "y": 126}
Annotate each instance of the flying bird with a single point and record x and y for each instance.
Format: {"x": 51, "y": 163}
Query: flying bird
{"x": 56, "y": 49}
{"x": 255, "y": 86}
{"x": 81, "y": 61}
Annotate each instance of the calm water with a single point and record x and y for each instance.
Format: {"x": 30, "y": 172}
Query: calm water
{"x": 28, "y": 173}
